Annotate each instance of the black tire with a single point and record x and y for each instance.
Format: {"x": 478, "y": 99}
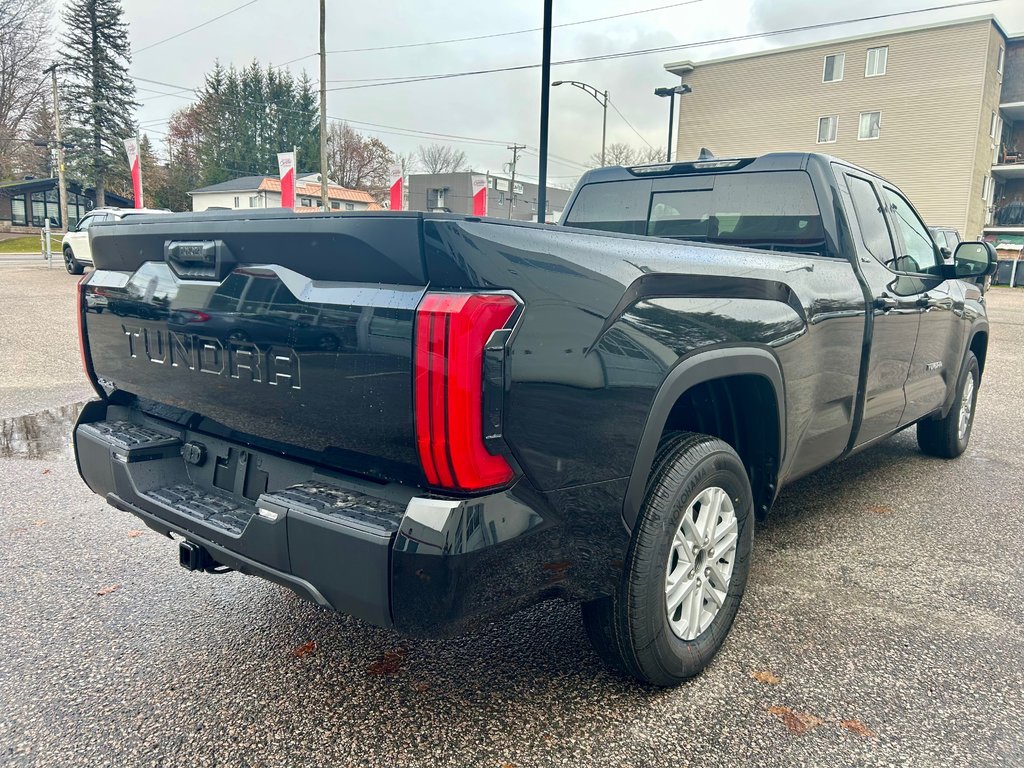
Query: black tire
{"x": 941, "y": 437}
{"x": 630, "y": 630}
{"x": 73, "y": 266}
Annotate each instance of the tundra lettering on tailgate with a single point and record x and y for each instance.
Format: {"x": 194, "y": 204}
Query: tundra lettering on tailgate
{"x": 276, "y": 365}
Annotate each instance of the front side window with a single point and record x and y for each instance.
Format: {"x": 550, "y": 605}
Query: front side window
{"x": 870, "y": 125}
{"x": 877, "y": 59}
{"x": 873, "y": 228}
{"x": 834, "y": 65}
{"x": 920, "y": 255}
{"x": 828, "y": 128}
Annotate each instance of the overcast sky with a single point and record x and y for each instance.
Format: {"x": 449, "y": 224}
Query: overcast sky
{"x": 495, "y": 109}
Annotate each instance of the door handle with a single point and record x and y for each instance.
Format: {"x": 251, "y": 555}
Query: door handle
{"x": 886, "y": 303}
{"x": 929, "y": 302}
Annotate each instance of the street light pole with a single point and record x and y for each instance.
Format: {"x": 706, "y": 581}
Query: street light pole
{"x": 600, "y": 97}
{"x": 671, "y": 94}
{"x": 325, "y": 202}
{"x": 62, "y": 187}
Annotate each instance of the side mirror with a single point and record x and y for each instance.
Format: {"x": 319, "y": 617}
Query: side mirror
{"x": 974, "y": 260}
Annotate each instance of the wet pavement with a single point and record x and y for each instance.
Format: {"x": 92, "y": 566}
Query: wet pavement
{"x": 882, "y": 624}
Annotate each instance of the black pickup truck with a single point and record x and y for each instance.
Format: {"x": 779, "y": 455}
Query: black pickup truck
{"x": 430, "y": 420}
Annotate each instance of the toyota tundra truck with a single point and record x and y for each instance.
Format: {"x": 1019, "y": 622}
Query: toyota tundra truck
{"x": 428, "y": 421}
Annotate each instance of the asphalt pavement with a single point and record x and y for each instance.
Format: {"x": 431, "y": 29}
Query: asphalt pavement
{"x": 882, "y": 623}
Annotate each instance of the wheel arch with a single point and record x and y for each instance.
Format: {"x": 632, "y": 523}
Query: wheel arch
{"x": 724, "y": 376}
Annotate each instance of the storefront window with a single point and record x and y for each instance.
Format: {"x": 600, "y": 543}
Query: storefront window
{"x": 19, "y": 217}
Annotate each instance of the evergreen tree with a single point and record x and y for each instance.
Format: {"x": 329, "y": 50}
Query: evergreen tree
{"x": 99, "y": 96}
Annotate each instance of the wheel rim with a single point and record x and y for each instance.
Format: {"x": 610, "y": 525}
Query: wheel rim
{"x": 700, "y": 563}
{"x": 68, "y": 261}
{"x": 966, "y": 406}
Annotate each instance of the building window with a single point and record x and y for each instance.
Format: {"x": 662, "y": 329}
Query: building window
{"x": 501, "y": 198}
{"x": 336, "y": 205}
{"x": 350, "y": 206}
{"x": 19, "y": 215}
{"x": 828, "y": 127}
{"x": 877, "y": 59}
{"x": 305, "y": 202}
{"x": 834, "y": 65}
{"x": 435, "y": 198}
{"x": 236, "y": 202}
{"x": 870, "y": 125}
{"x": 986, "y": 188}
{"x": 1000, "y": 60}
{"x": 254, "y": 201}
{"x": 993, "y": 126}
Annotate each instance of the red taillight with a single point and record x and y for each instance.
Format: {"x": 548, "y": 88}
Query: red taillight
{"x": 452, "y": 330}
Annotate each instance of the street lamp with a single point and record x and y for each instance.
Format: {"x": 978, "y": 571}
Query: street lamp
{"x": 671, "y": 93}
{"x": 600, "y": 97}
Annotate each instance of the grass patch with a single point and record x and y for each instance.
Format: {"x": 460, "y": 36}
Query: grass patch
{"x": 26, "y": 244}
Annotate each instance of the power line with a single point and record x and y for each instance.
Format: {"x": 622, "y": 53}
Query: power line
{"x": 493, "y": 35}
{"x": 619, "y": 113}
{"x": 399, "y": 80}
{"x": 193, "y": 29}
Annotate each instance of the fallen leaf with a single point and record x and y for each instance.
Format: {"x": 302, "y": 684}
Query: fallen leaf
{"x": 38, "y": 523}
{"x": 304, "y": 650}
{"x": 766, "y": 677}
{"x": 134, "y": 534}
{"x": 857, "y": 727}
{"x": 798, "y": 723}
{"x": 421, "y": 687}
{"x": 46, "y": 471}
{"x": 108, "y": 590}
{"x": 507, "y": 765}
{"x": 389, "y": 662}
{"x": 880, "y": 509}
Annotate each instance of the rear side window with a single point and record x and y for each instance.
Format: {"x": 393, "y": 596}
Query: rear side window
{"x": 873, "y": 228}
{"x": 773, "y": 211}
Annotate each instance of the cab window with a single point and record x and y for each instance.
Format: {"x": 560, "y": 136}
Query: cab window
{"x": 870, "y": 216}
{"x": 920, "y": 253}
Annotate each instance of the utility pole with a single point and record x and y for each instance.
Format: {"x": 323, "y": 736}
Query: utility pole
{"x": 512, "y": 187}
{"x": 62, "y": 187}
{"x": 325, "y": 201}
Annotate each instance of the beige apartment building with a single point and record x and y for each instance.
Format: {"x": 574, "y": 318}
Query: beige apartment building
{"x": 937, "y": 109}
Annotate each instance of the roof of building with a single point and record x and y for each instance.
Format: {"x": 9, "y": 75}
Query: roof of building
{"x": 687, "y": 65}
{"x": 273, "y": 184}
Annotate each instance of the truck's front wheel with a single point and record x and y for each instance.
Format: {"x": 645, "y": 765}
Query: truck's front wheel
{"x": 686, "y": 568}
{"x": 948, "y": 437}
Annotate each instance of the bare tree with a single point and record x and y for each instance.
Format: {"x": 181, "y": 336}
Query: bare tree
{"x": 439, "y": 158}
{"x": 31, "y": 159}
{"x": 357, "y": 161}
{"x": 24, "y": 53}
{"x": 621, "y": 153}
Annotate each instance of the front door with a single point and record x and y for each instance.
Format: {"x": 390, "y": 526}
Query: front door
{"x": 937, "y": 353}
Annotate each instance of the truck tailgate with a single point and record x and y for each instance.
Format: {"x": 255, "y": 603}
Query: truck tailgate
{"x": 282, "y": 330}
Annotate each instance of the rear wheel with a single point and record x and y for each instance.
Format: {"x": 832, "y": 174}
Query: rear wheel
{"x": 948, "y": 437}
{"x": 687, "y": 566}
{"x": 73, "y": 266}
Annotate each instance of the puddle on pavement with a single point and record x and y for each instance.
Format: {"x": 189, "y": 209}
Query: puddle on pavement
{"x": 41, "y": 435}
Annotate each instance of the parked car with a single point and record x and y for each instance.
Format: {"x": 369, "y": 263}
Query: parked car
{"x": 947, "y": 238}
{"x": 75, "y": 244}
{"x": 596, "y": 411}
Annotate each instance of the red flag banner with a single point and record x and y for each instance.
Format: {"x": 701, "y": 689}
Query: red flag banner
{"x": 397, "y": 184}
{"x": 479, "y": 195}
{"x": 286, "y": 167}
{"x": 131, "y": 147}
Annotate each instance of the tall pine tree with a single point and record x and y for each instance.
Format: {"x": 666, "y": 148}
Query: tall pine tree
{"x": 99, "y": 97}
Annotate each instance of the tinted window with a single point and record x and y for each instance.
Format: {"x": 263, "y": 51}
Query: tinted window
{"x": 873, "y": 228}
{"x": 775, "y": 211}
{"x": 614, "y": 207}
{"x": 920, "y": 250}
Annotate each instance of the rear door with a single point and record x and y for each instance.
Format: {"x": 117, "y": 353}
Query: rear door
{"x": 940, "y": 336}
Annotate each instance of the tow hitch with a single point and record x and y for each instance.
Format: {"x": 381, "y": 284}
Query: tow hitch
{"x": 193, "y": 557}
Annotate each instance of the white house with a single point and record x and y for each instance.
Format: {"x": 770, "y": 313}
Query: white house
{"x": 265, "y": 192}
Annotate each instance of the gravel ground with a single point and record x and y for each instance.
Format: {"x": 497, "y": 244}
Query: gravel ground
{"x": 883, "y": 622}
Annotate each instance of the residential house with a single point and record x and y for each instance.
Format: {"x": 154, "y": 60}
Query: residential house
{"x": 921, "y": 106}
{"x": 265, "y": 192}
{"x": 453, "y": 193}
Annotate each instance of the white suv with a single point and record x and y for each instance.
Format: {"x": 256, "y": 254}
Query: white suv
{"x": 75, "y": 245}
